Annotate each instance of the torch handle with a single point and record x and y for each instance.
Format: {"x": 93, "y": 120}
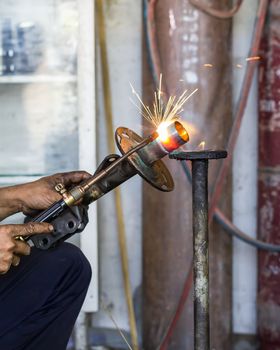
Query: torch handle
{"x": 71, "y": 197}
{"x": 50, "y": 213}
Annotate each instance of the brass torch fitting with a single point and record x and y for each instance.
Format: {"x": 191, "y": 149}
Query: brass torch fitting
{"x": 74, "y": 195}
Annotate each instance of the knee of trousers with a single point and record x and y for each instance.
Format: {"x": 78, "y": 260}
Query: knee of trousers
{"x": 65, "y": 265}
{"x": 78, "y": 265}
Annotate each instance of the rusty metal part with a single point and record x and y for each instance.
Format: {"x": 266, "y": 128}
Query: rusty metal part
{"x": 269, "y": 182}
{"x": 217, "y": 13}
{"x": 95, "y": 178}
{"x": 79, "y": 191}
{"x": 200, "y": 161}
{"x": 123, "y": 172}
{"x": 200, "y": 254}
{"x": 156, "y": 174}
{"x": 194, "y": 155}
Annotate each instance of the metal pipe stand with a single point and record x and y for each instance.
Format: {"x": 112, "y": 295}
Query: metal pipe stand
{"x": 200, "y": 161}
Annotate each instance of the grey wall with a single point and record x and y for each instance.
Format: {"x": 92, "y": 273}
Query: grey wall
{"x": 123, "y": 25}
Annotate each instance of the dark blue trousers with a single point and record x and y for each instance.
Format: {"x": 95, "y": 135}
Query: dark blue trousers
{"x": 41, "y": 298}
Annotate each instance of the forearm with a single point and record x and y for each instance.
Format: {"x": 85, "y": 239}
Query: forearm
{"x": 10, "y": 201}
{"x": 36, "y": 195}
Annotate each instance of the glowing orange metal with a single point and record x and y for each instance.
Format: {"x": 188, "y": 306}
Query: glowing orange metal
{"x": 172, "y": 135}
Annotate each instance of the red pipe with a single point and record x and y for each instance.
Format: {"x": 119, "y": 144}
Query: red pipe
{"x": 269, "y": 181}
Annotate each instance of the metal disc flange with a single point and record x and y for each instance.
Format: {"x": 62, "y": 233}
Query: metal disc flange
{"x": 156, "y": 174}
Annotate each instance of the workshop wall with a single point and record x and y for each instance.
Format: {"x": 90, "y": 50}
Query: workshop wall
{"x": 123, "y": 36}
{"x": 38, "y": 90}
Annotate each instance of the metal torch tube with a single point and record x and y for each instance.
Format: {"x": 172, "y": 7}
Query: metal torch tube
{"x": 200, "y": 253}
{"x": 94, "y": 179}
{"x": 123, "y": 172}
{"x": 79, "y": 191}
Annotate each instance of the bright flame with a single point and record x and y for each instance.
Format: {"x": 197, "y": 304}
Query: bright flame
{"x": 253, "y": 58}
{"x": 208, "y": 65}
{"x": 162, "y": 131}
{"x": 202, "y": 145}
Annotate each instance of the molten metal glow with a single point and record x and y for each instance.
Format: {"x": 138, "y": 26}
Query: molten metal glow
{"x": 172, "y": 135}
{"x": 162, "y": 131}
{"x": 182, "y": 132}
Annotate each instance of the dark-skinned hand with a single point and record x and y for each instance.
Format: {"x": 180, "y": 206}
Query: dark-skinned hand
{"x": 40, "y": 194}
{"x": 29, "y": 198}
{"x": 11, "y": 249}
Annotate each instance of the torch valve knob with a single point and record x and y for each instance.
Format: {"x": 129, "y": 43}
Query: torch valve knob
{"x": 60, "y": 188}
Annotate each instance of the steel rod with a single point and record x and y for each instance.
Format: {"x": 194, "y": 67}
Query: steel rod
{"x": 200, "y": 161}
{"x": 200, "y": 253}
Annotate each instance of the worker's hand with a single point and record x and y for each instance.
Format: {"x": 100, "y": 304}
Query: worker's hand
{"x": 11, "y": 249}
{"x": 40, "y": 194}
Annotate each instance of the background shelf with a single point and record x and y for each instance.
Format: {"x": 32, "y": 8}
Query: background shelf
{"x": 25, "y": 79}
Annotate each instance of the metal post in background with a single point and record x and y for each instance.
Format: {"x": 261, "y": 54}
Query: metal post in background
{"x": 184, "y": 35}
{"x": 200, "y": 253}
{"x": 200, "y": 161}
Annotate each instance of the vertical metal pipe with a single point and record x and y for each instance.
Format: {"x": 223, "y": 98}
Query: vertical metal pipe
{"x": 200, "y": 253}
{"x": 184, "y": 48}
{"x": 269, "y": 182}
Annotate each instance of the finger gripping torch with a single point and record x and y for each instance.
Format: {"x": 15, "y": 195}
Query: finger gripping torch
{"x": 139, "y": 156}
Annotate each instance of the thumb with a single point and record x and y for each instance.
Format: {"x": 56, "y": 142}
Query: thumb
{"x": 30, "y": 228}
